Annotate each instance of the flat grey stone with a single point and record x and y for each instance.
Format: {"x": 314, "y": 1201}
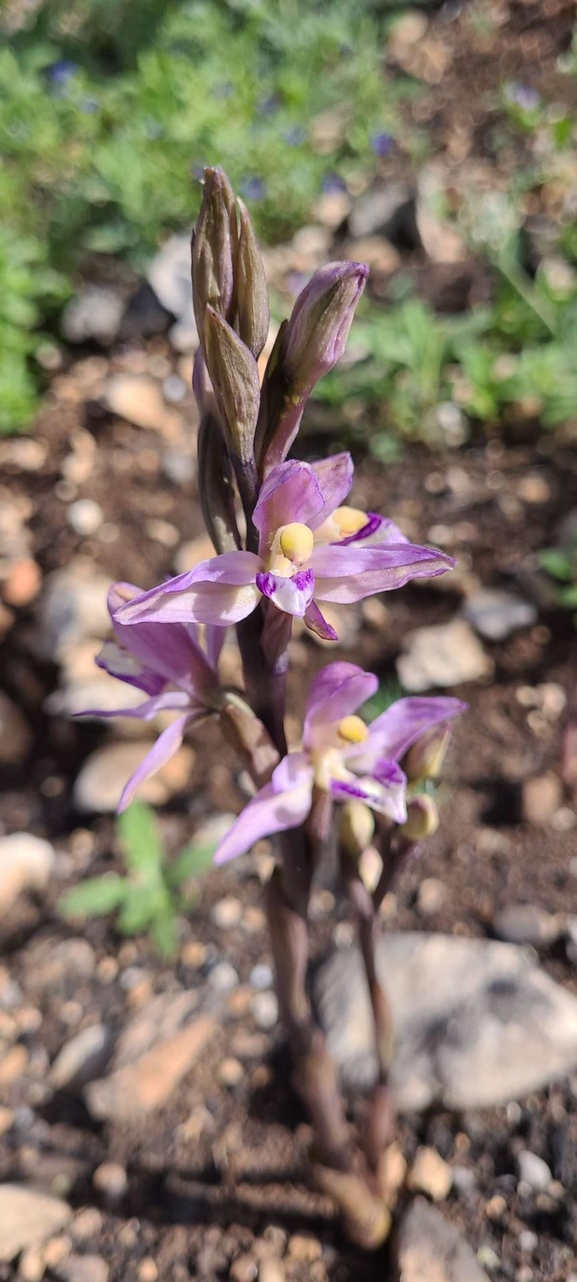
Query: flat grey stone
{"x": 94, "y": 313}
{"x": 82, "y": 1058}
{"x": 495, "y": 614}
{"x": 430, "y": 1249}
{"x": 527, "y": 924}
{"x": 443, "y": 655}
{"x": 476, "y": 1023}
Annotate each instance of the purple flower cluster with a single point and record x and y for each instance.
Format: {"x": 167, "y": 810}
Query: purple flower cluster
{"x": 305, "y": 547}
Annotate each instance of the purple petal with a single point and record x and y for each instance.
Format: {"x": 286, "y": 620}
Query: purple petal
{"x": 387, "y": 798}
{"x": 334, "y": 477}
{"x": 378, "y": 530}
{"x": 174, "y": 656}
{"x": 274, "y": 809}
{"x": 219, "y": 591}
{"x": 290, "y": 492}
{"x": 165, "y": 747}
{"x": 214, "y": 638}
{"x": 171, "y": 701}
{"x": 347, "y": 574}
{"x": 401, "y": 725}
{"x": 293, "y": 595}
{"x": 318, "y": 624}
{"x": 293, "y": 770}
{"x": 338, "y": 690}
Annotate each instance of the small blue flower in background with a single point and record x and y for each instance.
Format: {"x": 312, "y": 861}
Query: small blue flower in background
{"x": 59, "y": 73}
{"x": 269, "y": 105}
{"x": 382, "y": 144}
{"x": 295, "y": 136}
{"x": 522, "y": 96}
{"x": 333, "y": 183}
{"x": 254, "y": 189}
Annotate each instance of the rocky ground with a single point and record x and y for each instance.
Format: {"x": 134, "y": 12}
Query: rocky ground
{"x": 148, "y": 1129}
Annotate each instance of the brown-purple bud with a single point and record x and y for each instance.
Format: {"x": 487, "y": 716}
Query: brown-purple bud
{"x": 212, "y": 269}
{"x": 233, "y": 373}
{"x": 251, "y": 293}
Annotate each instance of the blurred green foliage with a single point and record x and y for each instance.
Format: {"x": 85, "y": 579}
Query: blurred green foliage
{"x": 109, "y": 109}
{"x": 155, "y": 889}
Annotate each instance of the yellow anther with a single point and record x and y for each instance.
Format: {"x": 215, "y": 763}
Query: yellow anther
{"x": 353, "y": 729}
{"x": 350, "y": 519}
{"x": 296, "y": 541}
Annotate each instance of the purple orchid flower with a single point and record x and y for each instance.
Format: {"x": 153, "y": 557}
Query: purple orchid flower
{"x": 341, "y": 755}
{"x": 311, "y": 549}
{"x": 168, "y": 665}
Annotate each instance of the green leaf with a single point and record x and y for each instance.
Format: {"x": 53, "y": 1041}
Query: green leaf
{"x": 95, "y": 897}
{"x": 191, "y": 862}
{"x": 141, "y": 906}
{"x": 141, "y": 841}
{"x": 164, "y": 934}
{"x": 557, "y": 563}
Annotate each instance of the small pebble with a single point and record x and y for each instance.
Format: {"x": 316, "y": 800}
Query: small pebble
{"x": 147, "y": 1270}
{"x": 85, "y": 516}
{"x": 528, "y": 1241}
{"x": 430, "y": 1174}
{"x": 84, "y": 1268}
{"x": 431, "y": 895}
{"x": 87, "y": 1224}
{"x": 271, "y": 1271}
{"x": 174, "y": 389}
{"x": 534, "y": 1171}
{"x": 23, "y": 582}
{"x": 264, "y": 1009}
{"x": 304, "y": 1248}
{"x": 261, "y": 976}
{"x": 524, "y": 1274}
{"x": 162, "y": 532}
{"x": 226, "y": 913}
{"x": 31, "y": 1267}
{"x": 111, "y": 1179}
{"x": 194, "y": 954}
{"x": 223, "y": 977}
{"x": 244, "y": 1268}
{"x": 488, "y": 1258}
{"x": 464, "y": 1181}
{"x": 496, "y": 1207}
{"x": 230, "y": 1072}
{"x": 56, "y": 1251}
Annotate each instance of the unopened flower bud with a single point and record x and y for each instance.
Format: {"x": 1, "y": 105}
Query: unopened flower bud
{"x": 234, "y": 376}
{"x": 212, "y": 269}
{"x": 425, "y": 759}
{"x": 357, "y": 828}
{"x": 251, "y": 293}
{"x": 320, "y": 322}
{"x": 312, "y": 342}
{"x": 422, "y": 819}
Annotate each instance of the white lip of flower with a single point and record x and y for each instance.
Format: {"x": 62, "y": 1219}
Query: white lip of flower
{"x": 291, "y": 546}
{"x": 328, "y": 762}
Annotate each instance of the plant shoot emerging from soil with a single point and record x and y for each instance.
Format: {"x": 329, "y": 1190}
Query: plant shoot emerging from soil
{"x": 351, "y": 786}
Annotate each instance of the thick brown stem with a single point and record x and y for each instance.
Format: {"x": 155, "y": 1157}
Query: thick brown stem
{"x": 380, "y": 1120}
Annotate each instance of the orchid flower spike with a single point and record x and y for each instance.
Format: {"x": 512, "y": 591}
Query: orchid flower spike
{"x": 170, "y": 667}
{"x": 341, "y": 755}
{"x": 312, "y": 549}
